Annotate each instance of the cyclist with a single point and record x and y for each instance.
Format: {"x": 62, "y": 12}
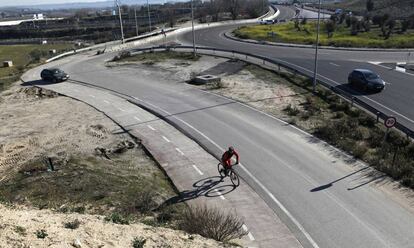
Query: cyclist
{"x": 226, "y": 159}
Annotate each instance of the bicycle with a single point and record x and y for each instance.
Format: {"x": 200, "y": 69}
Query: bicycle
{"x": 231, "y": 173}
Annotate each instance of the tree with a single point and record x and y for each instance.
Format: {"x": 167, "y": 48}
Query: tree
{"x": 233, "y": 6}
{"x": 330, "y": 28}
{"x": 370, "y": 5}
{"x": 3, "y": 15}
{"x": 355, "y": 26}
{"x": 214, "y": 7}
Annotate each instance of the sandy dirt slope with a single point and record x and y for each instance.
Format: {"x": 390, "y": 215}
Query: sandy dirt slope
{"x": 37, "y": 124}
{"x": 18, "y": 228}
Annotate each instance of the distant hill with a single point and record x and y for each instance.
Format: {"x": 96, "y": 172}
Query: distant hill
{"x": 397, "y": 8}
{"x": 100, "y": 4}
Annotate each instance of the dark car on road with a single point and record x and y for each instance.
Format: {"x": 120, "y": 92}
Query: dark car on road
{"x": 366, "y": 79}
{"x": 54, "y": 75}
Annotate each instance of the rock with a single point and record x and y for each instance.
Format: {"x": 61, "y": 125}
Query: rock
{"x": 76, "y": 243}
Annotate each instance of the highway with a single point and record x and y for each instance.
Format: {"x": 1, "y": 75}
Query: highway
{"x": 334, "y": 66}
{"x": 287, "y": 167}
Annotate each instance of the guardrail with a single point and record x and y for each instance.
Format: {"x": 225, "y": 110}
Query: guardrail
{"x": 261, "y": 60}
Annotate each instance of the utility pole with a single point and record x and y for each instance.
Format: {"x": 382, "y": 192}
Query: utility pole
{"x": 192, "y": 27}
{"x": 136, "y": 22}
{"x": 315, "y": 71}
{"x": 120, "y": 21}
{"x": 149, "y": 16}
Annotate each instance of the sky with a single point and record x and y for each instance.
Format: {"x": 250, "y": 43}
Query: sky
{"x": 36, "y": 2}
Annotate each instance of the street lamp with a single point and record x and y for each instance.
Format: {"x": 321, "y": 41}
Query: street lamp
{"x": 315, "y": 71}
{"x": 120, "y": 22}
{"x": 192, "y": 27}
{"x": 136, "y": 21}
{"x": 149, "y": 16}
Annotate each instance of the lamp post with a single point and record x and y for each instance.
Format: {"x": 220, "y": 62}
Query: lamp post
{"x": 315, "y": 71}
{"x": 136, "y": 22}
{"x": 120, "y": 22}
{"x": 192, "y": 27}
{"x": 149, "y": 16}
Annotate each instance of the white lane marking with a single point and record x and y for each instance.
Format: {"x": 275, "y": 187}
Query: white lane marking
{"x": 218, "y": 192}
{"x": 280, "y": 205}
{"x": 395, "y": 112}
{"x": 165, "y": 138}
{"x": 198, "y": 170}
{"x": 136, "y": 118}
{"x": 105, "y": 101}
{"x": 179, "y": 151}
{"x": 123, "y": 110}
{"x": 92, "y": 96}
{"x": 249, "y": 234}
{"x": 334, "y": 64}
{"x": 150, "y": 127}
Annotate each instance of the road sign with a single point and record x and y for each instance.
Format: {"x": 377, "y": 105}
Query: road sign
{"x": 390, "y": 122}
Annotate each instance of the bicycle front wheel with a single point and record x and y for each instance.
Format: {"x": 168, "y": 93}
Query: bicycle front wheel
{"x": 234, "y": 178}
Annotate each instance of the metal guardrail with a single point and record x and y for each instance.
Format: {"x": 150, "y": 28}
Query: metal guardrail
{"x": 263, "y": 60}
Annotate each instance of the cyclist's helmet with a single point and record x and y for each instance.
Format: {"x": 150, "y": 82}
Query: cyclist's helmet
{"x": 231, "y": 149}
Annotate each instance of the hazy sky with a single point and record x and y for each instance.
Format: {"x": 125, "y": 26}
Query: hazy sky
{"x": 35, "y": 2}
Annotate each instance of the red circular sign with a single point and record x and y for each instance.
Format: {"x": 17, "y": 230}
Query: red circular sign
{"x": 390, "y": 122}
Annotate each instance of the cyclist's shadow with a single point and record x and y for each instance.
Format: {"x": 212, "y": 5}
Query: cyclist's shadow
{"x": 208, "y": 187}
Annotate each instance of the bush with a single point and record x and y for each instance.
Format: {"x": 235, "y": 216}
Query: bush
{"x": 359, "y": 150}
{"x": 212, "y": 223}
{"x": 41, "y": 234}
{"x": 138, "y": 242}
{"x": 145, "y": 201}
{"x": 117, "y": 219}
{"x": 72, "y": 224}
{"x": 292, "y": 111}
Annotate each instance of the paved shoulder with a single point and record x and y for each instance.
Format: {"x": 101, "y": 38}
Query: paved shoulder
{"x": 192, "y": 170}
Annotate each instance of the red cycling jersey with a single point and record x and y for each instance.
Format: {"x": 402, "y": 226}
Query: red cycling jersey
{"x": 226, "y": 158}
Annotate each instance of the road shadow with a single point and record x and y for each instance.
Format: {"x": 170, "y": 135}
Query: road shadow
{"x": 353, "y": 90}
{"x": 38, "y": 83}
{"x": 328, "y": 185}
{"x": 207, "y": 187}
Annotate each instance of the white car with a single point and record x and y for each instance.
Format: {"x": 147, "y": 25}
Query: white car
{"x": 267, "y": 22}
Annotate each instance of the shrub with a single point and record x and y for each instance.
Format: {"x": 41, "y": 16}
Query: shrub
{"x": 117, "y": 219}
{"x": 20, "y": 230}
{"x": 339, "y": 106}
{"x": 292, "y": 111}
{"x": 145, "y": 201}
{"x": 41, "y": 234}
{"x": 359, "y": 150}
{"x": 212, "y": 223}
{"x": 138, "y": 242}
{"x": 72, "y": 224}
{"x": 367, "y": 121}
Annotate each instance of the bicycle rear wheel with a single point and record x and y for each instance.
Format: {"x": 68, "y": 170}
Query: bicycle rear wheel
{"x": 234, "y": 178}
{"x": 221, "y": 170}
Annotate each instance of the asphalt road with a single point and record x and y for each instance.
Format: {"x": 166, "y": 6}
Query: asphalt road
{"x": 334, "y": 65}
{"x": 323, "y": 200}
{"x": 293, "y": 169}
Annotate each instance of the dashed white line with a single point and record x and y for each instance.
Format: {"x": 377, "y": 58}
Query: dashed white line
{"x": 105, "y": 101}
{"x": 123, "y": 110}
{"x": 334, "y": 64}
{"x": 198, "y": 170}
{"x": 267, "y": 191}
{"x": 218, "y": 192}
{"x": 179, "y": 151}
{"x": 150, "y": 127}
{"x": 92, "y": 96}
{"x": 166, "y": 139}
{"x": 249, "y": 234}
{"x": 136, "y": 118}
